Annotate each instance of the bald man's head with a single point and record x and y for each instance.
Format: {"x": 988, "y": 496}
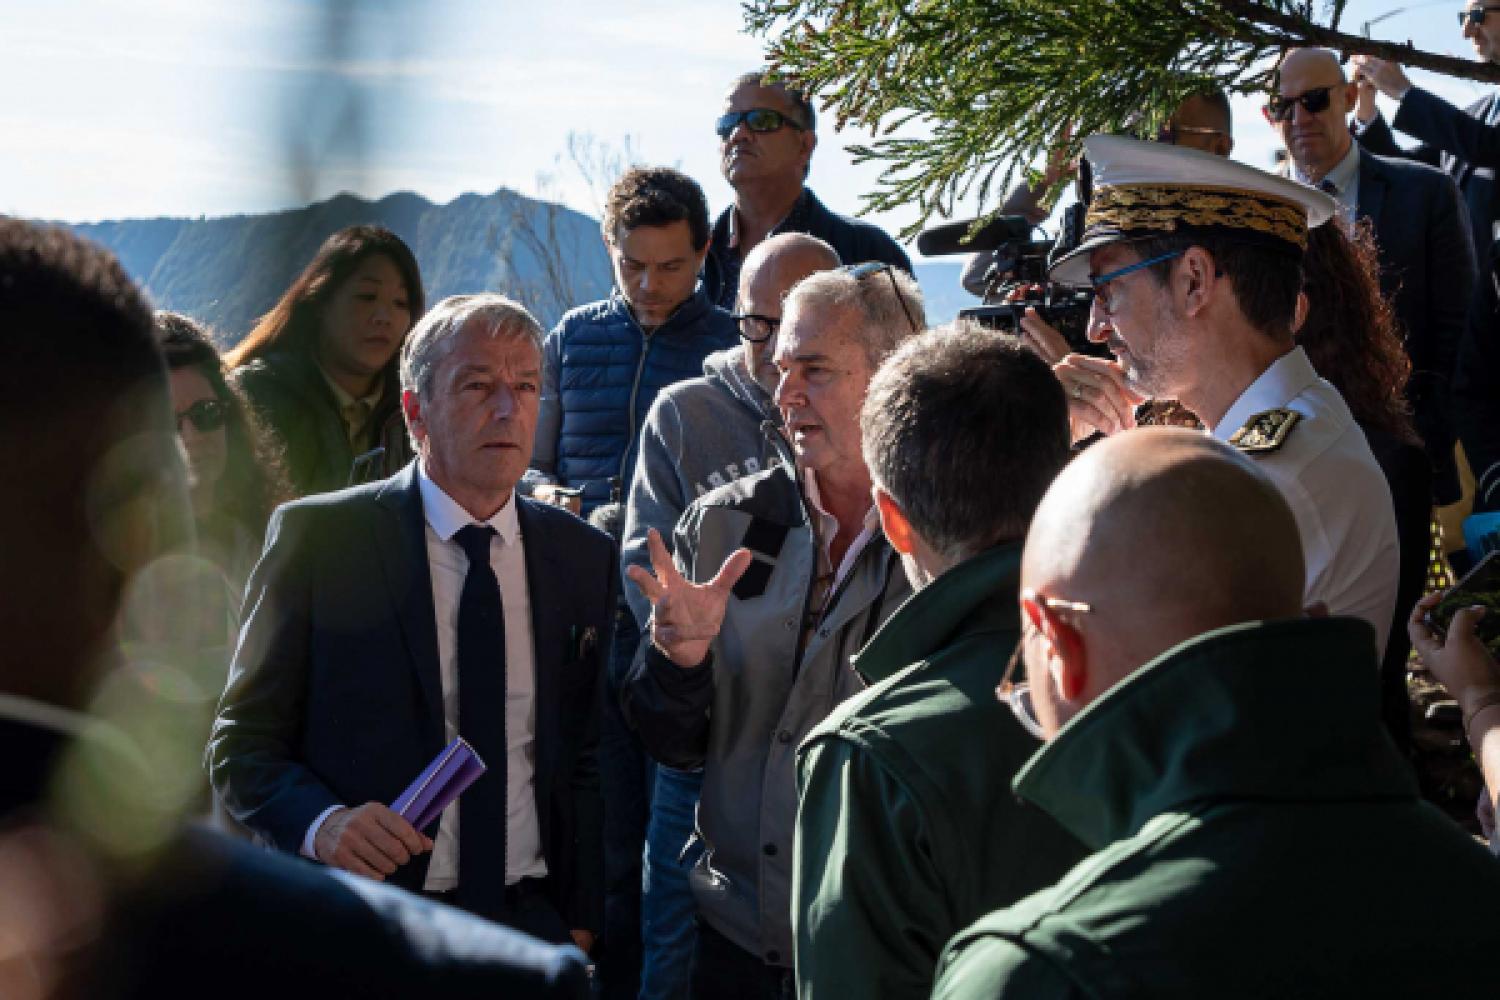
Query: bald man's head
{"x": 1315, "y": 140}
{"x": 1165, "y": 534}
{"x": 769, "y": 272}
{"x": 1325, "y": 60}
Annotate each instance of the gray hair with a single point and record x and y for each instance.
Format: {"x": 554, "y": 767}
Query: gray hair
{"x": 887, "y": 301}
{"x": 965, "y": 429}
{"x": 432, "y": 338}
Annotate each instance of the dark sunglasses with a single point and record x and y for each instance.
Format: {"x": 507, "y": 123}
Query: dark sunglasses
{"x": 1473, "y": 16}
{"x": 859, "y": 272}
{"x": 206, "y": 416}
{"x": 1280, "y": 109}
{"x": 757, "y": 329}
{"x": 756, "y": 120}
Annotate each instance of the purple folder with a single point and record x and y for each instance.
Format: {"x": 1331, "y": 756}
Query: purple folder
{"x": 454, "y": 770}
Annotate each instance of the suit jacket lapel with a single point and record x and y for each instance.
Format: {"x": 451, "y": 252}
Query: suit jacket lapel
{"x": 402, "y": 547}
{"x": 1372, "y": 188}
{"x": 546, "y": 580}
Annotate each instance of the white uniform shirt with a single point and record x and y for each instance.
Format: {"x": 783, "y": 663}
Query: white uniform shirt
{"x": 1337, "y": 493}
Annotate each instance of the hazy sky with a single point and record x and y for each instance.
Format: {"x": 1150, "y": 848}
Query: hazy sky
{"x": 206, "y": 107}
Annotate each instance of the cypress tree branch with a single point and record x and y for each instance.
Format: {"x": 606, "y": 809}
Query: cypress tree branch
{"x": 995, "y": 83}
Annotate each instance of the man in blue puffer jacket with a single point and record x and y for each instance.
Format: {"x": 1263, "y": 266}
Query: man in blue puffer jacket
{"x": 606, "y": 361}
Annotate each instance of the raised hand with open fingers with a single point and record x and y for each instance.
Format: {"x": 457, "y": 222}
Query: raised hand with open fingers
{"x": 686, "y": 616}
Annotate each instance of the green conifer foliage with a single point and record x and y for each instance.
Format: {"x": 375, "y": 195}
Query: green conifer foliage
{"x": 997, "y": 82}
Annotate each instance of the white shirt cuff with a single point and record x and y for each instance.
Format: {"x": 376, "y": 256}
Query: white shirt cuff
{"x": 312, "y": 832}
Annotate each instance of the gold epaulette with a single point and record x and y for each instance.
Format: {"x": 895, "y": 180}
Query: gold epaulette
{"x": 1265, "y": 432}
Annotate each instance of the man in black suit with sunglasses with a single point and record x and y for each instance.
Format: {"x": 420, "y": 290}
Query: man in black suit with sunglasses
{"x": 1466, "y": 144}
{"x": 766, "y": 141}
{"x": 1426, "y": 260}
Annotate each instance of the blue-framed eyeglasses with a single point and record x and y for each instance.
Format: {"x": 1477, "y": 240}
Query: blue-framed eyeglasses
{"x": 1100, "y": 281}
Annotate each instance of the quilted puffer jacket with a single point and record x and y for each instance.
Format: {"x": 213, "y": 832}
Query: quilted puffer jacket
{"x": 602, "y": 372}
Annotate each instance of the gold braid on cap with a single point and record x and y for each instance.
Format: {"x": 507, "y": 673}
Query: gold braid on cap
{"x": 1164, "y": 207}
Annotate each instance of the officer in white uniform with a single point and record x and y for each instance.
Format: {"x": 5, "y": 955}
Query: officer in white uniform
{"x": 1188, "y": 336}
{"x": 1299, "y": 430}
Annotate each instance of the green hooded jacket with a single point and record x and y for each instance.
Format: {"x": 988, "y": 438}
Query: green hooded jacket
{"x": 1257, "y": 835}
{"x": 907, "y": 829}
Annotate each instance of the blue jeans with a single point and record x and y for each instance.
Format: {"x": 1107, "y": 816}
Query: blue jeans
{"x": 668, "y": 930}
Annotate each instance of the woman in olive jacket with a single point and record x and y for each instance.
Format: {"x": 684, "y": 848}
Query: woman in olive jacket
{"x": 320, "y": 367}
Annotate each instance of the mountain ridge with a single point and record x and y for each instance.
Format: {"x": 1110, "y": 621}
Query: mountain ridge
{"x": 227, "y": 271}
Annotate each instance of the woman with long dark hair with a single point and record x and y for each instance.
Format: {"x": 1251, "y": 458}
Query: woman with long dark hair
{"x": 235, "y": 470}
{"x": 1350, "y": 334}
{"x": 320, "y": 367}
{"x": 187, "y": 622}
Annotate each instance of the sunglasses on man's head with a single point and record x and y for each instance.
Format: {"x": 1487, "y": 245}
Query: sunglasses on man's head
{"x": 1473, "y": 16}
{"x": 756, "y": 120}
{"x": 206, "y": 416}
{"x": 859, "y": 272}
{"x": 1281, "y": 109}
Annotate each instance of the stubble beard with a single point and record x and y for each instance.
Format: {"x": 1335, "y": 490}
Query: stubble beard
{"x": 1157, "y": 373}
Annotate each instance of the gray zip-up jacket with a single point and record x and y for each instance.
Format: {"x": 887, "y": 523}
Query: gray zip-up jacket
{"x": 742, "y": 712}
{"x": 700, "y": 434}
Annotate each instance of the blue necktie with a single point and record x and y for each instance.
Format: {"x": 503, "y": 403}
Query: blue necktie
{"x": 481, "y": 721}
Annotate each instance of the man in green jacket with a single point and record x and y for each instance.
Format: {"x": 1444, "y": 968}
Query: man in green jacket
{"x": 1257, "y": 834}
{"x": 907, "y": 829}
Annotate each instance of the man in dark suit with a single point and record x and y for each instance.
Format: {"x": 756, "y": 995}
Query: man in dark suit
{"x": 1466, "y": 144}
{"x": 1426, "y": 257}
{"x": 104, "y": 893}
{"x": 387, "y": 619}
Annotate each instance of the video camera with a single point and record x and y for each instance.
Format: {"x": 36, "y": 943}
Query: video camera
{"x": 1017, "y": 280}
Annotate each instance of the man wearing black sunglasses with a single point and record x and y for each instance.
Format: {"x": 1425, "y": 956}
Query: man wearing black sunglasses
{"x": 1466, "y": 144}
{"x": 1426, "y": 260}
{"x": 766, "y": 141}
{"x": 1463, "y": 142}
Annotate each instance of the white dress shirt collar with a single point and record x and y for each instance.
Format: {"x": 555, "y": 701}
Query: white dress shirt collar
{"x": 827, "y": 527}
{"x": 446, "y": 516}
{"x": 1278, "y": 385}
